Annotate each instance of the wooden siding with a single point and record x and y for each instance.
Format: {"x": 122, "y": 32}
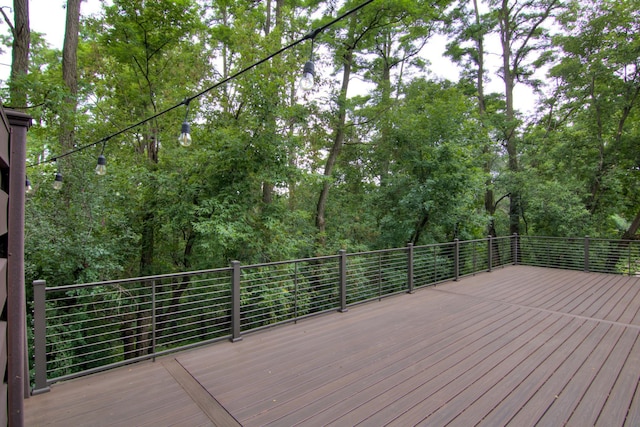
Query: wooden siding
{"x": 518, "y": 346}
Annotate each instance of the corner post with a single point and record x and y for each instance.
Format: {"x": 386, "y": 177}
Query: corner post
{"x": 343, "y": 281}
{"x": 456, "y": 260}
{"x": 40, "y": 336}
{"x": 235, "y": 302}
{"x": 586, "y": 253}
{"x": 410, "y": 268}
{"x": 16, "y": 340}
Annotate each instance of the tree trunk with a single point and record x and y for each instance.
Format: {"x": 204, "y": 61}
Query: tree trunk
{"x": 489, "y": 197}
{"x": 510, "y": 130}
{"x": 338, "y": 141}
{"x": 19, "y": 53}
{"x": 70, "y": 75}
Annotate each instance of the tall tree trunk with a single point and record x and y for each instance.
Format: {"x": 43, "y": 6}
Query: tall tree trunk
{"x": 510, "y": 130}
{"x": 70, "y": 74}
{"x": 338, "y": 141}
{"x": 489, "y": 197}
{"x": 19, "y": 52}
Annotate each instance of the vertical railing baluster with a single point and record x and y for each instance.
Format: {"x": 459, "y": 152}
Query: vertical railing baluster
{"x": 435, "y": 265}
{"x": 456, "y": 260}
{"x": 235, "y": 302}
{"x": 40, "y": 336}
{"x": 490, "y": 252}
{"x": 343, "y": 281}
{"x": 295, "y": 292}
{"x": 153, "y": 319}
{"x": 475, "y": 257}
{"x": 586, "y": 253}
{"x": 379, "y": 276}
{"x": 410, "y": 267}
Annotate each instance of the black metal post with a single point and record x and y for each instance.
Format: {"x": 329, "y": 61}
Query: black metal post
{"x": 235, "y": 302}
{"x": 586, "y": 253}
{"x": 40, "y": 336}
{"x": 295, "y": 293}
{"x": 456, "y": 260}
{"x": 343, "y": 281}
{"x": 410, "y": 267}
{"x": 153, "y": 319}
{"x": 490, "y": 252}
{"x": 516, "y": 250}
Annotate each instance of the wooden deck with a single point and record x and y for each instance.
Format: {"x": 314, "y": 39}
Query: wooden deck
{"x": 519, "y": 346}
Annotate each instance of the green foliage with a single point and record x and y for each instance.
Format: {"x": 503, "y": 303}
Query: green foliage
{"x": 415, "y": 164}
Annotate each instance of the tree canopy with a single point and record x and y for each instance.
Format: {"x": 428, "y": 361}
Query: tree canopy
{"x": 380, "y": 153}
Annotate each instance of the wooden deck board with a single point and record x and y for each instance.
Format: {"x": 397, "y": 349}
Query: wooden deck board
{"x": 518, "y": 346}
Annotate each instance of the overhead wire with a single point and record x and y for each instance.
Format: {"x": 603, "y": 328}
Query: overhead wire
{"x": 311, "y": 35}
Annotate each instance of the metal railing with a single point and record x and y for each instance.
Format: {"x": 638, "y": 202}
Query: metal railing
{"x": 85, "y": 328}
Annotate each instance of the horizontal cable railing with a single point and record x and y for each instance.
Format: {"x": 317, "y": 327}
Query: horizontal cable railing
{"x": 80, "y": 329}
{"x": 373, "y": 275}
{"x": 279, "y": 292}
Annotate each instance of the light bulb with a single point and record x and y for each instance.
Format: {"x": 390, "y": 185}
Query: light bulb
{"x": 28, "y": 188}
{"x": 185, "y": 135}
{"x": 57, "y": 182}
{"x": 101, "y": 169}
{"x": 308, "y": 74}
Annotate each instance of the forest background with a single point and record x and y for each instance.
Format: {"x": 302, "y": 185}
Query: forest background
{"x": 379, "y": 153}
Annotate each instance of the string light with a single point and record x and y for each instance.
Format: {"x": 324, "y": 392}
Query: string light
{"x": 101, "y": 168}
{"x": 185, "y": 137}
{"x": 185, "y": 132}
{"x": 308, "y": 73}
{"x": 28, "y": 187}
{"x": 57, "y": 182}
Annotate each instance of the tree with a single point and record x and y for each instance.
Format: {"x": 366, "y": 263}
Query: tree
{"x": 21, "y": 33}
{"x": 70, "y": 74}
{"x": 470, "y": 27}
{"x": 595, "y": 106}
{"x": 522, "y": 34}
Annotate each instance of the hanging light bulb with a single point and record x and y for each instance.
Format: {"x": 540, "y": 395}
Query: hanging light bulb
{"x": 308, "y": 76}
{"x": 28, "y": 188}
{"x": 101, "y": 168}
{"x": 57, "y": 182}
{"x": 185, "y": 134}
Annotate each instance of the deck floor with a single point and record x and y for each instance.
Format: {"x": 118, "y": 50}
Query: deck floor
{"x": 518, "y": 346}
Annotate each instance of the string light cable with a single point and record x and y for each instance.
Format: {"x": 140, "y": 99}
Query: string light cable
{"x": 309, "y": 36}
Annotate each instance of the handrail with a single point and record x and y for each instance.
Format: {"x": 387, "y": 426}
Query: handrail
{"x": 85, "y": 328}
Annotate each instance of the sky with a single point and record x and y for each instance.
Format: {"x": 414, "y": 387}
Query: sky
{"x": 48, "y": 17}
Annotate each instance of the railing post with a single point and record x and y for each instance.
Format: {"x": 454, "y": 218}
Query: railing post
{"x": 295, "y": 293}
{"x": 456, "y": 260}
{"x": 586, "y": 253}
{"x": 410, "y": 267}
{"x": 154, "y": 324}
{"x": 515, "y": 246}
{"x": 490, "y": 252}
{"x": 40, "y": 337}
{"x": 235, "y": 302}
{"x": 343, "y": 281}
